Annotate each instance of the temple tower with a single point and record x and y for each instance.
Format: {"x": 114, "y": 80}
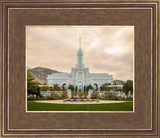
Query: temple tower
{"x": 80, "y": 56}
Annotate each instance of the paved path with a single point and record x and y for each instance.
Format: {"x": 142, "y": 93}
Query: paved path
{"x": 81, "y": 102}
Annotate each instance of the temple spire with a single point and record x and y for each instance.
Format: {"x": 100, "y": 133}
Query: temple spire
{"x": 80, "y": 43}
{"x": 80, "y": 56}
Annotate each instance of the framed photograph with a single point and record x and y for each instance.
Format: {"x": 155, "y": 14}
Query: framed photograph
{"x": 79, "y": 68}
{"x": 67, "y": 83}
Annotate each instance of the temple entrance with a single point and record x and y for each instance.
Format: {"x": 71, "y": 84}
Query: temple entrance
{"x": 79, "y": 86}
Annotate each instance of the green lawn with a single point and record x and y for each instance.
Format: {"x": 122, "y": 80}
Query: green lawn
{"x": 35, "y": 106}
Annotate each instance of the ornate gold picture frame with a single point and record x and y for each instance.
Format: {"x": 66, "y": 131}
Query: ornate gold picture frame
{"x": 15, "y": 121}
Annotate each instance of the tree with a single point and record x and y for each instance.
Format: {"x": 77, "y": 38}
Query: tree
{"x": 105, "y": 87}
{"x": 116, "y": 88}
{"x": 45, "y": 88}
{"x": 76, "y": 89}
{"x": 95, "y": 84}
{"x": 29, "y": 76}
{"x": 56, "y": 87}
{"x": 63, "y": 88}
{"x": 128, "y": 86}
{"x": 84, "y": 87}
{"x": 32, "y": 86}
{"x": 107, "y": 84}
{"x": 89, "y": 87}
{"x": 71, "y": 87}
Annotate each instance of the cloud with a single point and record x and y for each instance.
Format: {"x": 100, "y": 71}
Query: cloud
{"x": 105, "y": 49}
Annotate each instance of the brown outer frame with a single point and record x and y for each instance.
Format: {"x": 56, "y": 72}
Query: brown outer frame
{"x": 153, "y": 132}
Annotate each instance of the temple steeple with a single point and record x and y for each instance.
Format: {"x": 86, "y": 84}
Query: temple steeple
{"x": 80, "y": 43}
{"x": 79, "y": 56}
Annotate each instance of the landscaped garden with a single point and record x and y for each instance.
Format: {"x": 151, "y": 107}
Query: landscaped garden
{"x": 33, "y": 103}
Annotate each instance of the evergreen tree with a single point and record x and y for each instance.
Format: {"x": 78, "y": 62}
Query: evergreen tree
{"x": 32, "y": 86}
{"x": 89, "y": 87}
{"x": 128, "y": 86}
{"x": 71, "y": 87}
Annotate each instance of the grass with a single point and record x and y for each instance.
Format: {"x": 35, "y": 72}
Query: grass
{"x": 35, "y": 106}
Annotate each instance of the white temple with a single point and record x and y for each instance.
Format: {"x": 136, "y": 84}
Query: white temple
{"x": 80, "y": 76}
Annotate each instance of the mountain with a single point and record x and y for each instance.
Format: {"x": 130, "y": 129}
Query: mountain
{"x": 40, "y": 74}
{"x": 118, "y": 82}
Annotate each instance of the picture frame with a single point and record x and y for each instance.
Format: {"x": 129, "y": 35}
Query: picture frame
{"x": 15, "y": 121}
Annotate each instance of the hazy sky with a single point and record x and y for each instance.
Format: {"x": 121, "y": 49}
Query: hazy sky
{"x": 106, "y": 49}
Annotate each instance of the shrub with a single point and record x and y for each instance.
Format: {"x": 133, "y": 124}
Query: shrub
{"x": 111, "y": 96}
{"x": 54, "y": 96}
{"x": 36, "y": 98}
{"x": 85, "y": 93}
{"x": 125, "y": 99}
{"x": 105, "y": 94}
{"x": 73, "y": 94}
{"x": 31, "y": 98}
{"x": 87, "y": 99}
{"x": 95, "y": 95}
{"x": 80, "y": 94}
{"x": 64, "y": 95}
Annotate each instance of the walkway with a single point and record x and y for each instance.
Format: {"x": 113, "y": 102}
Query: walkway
{"x": 81, "y": 102}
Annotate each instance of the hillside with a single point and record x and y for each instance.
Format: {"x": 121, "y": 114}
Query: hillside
{"x": 40, "y": 74}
